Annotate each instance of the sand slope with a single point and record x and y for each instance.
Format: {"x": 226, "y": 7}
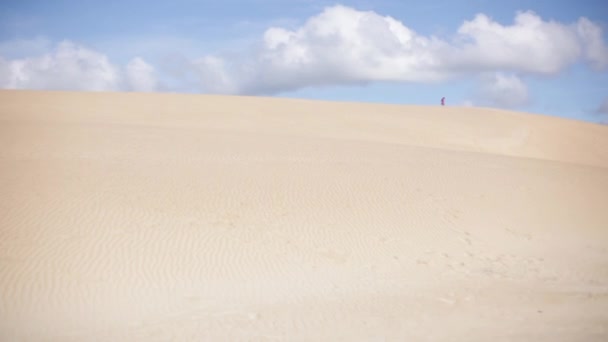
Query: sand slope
{"x": 179, "y": 217}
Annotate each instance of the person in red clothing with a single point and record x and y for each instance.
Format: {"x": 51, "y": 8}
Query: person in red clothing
{"x": 443, "y": 101}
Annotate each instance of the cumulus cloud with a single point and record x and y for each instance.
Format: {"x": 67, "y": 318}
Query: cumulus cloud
{"x": 215, "y": 77}
{"x": 141, "y": 75}
{"x": 342, "y": 45}
{"x": 595, "y": 49}
{"x": 339, "y": 46}
{"x": 529, "y": 45}
{"x": 67, "y": 67}
{"x": 503, "y": 90}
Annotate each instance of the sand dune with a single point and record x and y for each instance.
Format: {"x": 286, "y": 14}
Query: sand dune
{"x": 184, "y": 217}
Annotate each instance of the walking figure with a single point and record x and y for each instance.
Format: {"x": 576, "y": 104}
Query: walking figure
{"x": 443, "y": 101}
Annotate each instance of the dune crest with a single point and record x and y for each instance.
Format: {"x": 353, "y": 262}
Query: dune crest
{"x": 190, "y": 217}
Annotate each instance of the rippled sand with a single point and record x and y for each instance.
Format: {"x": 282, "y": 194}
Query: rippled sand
{"x": 148, "y": 217}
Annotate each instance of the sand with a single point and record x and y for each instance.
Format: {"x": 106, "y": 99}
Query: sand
{"x": 149, "y": 217}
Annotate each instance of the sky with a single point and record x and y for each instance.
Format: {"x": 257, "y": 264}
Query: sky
{"x": 544, "y": 57}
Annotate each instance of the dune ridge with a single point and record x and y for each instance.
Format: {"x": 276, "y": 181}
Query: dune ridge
{"x": 164, "y": 216}
{"x": 473, "y": 129}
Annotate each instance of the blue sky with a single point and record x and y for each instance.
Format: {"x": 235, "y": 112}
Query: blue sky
{"x": 548, "y": 57}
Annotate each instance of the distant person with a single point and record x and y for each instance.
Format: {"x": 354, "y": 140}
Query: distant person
{"x": 443, "y": 101}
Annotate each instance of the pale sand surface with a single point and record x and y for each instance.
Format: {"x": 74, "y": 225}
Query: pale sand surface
{"x": 147, "y": 217}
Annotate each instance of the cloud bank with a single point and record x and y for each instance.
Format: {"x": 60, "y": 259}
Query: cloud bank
{"x": 69, "y": 66}
{"x": 141, "y": 76}
{"x": 339, "y": 46}
{"x": 503, "y": 90}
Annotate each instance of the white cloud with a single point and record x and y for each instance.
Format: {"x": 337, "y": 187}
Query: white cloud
{"x": 595, "y": 49}
{"x": 339, "y": 46}
{"x": 503, "y": 90}
{"x": 67, "y": 67}
{"x": 529, "y": 45}
{"x": 214, "y": 75}
{"x": 141, "y": 75}
{"x": 344, "y": 46}
{"x": 468, "y": 103}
